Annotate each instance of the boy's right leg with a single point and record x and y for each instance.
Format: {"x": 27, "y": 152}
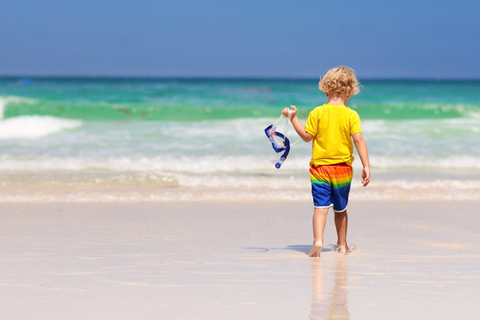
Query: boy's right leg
{"x": 319, "y": 221}
{"x": 342, "y": 181}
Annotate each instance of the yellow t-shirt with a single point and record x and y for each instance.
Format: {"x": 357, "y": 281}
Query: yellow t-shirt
{"x": 332, "y": 127}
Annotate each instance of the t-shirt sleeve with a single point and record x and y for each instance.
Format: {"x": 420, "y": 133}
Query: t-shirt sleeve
{"x": 354, "y": 123}
{"x": 312, "y": 123}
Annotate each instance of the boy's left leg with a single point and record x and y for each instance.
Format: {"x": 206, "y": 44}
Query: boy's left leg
{"x": 341, "y": 224}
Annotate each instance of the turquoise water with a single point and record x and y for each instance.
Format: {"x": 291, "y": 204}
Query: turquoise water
{"x": 162, "y": 139}
{"x": 110, "y": 99}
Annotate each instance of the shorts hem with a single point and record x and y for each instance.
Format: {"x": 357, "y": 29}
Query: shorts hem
{"x": 340, "y": 210}
{"x": 323, "y": 207}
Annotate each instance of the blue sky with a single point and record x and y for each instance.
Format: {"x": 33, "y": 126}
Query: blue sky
{"x": 301, "y": 38}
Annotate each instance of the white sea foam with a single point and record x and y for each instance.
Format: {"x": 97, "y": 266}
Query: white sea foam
{"x": 33, "y": 127}
{"x": 253, "y": 165}
{"x": 167, "y": 164}
{"x": 474, "y": 114}
{"x": 454, "y": 162}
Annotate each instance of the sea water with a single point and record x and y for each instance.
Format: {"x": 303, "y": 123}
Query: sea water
{"x": 122, "y": 139}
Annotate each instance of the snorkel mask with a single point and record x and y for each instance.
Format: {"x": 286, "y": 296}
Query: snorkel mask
{"x": 284, "y": 145}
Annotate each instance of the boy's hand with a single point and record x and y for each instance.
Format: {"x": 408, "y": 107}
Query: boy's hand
{"x": 366, "y": 176}
{"x": 290, "y": 113}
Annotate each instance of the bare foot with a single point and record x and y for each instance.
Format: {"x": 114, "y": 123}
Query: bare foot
{"x": 316, "y": 249}
{"x": 343, "y": 249}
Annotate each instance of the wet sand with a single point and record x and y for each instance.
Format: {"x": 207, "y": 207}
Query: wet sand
{"x": 237, "y": 260}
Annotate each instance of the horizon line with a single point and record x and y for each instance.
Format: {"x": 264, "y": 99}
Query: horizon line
{"x": 166, "y": 77}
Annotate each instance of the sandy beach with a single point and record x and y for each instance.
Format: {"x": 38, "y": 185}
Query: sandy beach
{"x": 237, "y": 260}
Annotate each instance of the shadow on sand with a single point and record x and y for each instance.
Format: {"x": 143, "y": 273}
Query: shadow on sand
{"x": 294, "y": 247}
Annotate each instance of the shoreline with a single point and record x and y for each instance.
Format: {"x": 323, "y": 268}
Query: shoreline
{"x": 204, "y": 196}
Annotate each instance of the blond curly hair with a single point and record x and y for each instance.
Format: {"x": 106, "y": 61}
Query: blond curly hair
{"x": 341, "y": 80}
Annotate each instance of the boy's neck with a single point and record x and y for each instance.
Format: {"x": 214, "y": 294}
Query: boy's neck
{"x": 335, "y": 99}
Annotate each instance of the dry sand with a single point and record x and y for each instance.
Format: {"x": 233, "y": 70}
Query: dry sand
{"x": 237, "y": 260}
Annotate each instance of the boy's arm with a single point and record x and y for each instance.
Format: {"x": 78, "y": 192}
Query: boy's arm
{"x": 299, "y": 128}
{"x": 361, "y": 147}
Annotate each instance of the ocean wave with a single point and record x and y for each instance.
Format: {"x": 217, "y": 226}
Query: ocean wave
{"x": 5, "y": 100}
{"x": 100, "y": 110}
{"x": 34, "y": 127}
{"x": 191, "y": 109}
{"x": 200, "y": 165}
{"x": 415, "y": 110}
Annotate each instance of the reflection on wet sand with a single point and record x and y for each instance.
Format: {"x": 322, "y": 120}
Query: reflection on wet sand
{"x": 329, "y": 303}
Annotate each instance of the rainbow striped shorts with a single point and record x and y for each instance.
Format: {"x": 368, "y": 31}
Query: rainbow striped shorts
{"x": 331, "y": 185}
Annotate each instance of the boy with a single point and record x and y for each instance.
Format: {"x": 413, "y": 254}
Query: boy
{"x": 331, "y": 128}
